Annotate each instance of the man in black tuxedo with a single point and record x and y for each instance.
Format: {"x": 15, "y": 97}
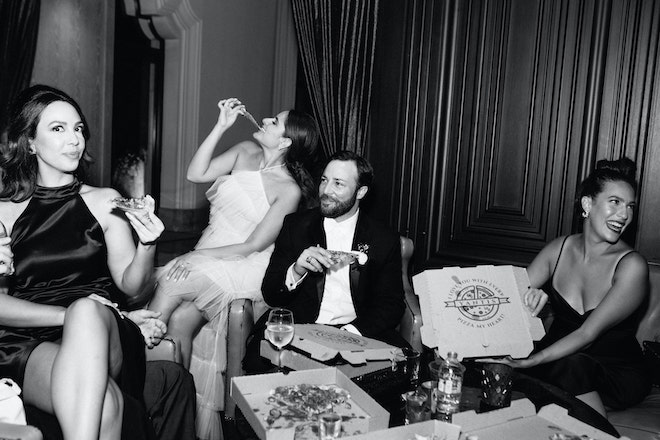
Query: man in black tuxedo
{"x": 365, "y": 299}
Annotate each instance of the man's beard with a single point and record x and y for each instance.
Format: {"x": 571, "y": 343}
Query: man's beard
{"x": 336, "y": 208}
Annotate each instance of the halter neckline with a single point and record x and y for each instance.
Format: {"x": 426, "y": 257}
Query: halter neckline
{"x": 272, "y": 167}
{"x": 57, "y": 192}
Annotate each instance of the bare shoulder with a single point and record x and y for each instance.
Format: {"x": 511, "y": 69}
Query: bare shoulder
{"x": 632, "y": 263}
{"x": 552, "y": 249}
{"x": 99, "y": 199}
{"x": 289, "y": 190}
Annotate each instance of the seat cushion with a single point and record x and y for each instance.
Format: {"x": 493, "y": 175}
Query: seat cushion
{"x": 641, "y": 421}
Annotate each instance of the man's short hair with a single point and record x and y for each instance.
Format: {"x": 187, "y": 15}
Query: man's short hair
{"x": 364, "y": 168}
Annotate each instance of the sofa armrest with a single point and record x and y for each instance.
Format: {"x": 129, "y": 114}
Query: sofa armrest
{"x": 239, "y": 325}
{"x": 9, "y": 431}
{"x": 411, "y": 322}
{"x": 167, "y": 350}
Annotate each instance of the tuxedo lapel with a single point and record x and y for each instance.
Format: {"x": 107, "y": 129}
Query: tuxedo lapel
{"x": 317, "y": 237}
{"x": 360, "y": 237}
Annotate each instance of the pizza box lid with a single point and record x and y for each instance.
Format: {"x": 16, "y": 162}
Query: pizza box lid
{"x": 251, "y": 395}
{"x": 324, "y": 342}
{"x": 431, "y": 429}
{"x": 298, "y": 360}
{"x": 520, "y": 420}
{"x": 477, "y": 311}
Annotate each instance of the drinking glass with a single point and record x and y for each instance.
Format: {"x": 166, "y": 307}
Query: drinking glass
{"x": 279, "y": 331}
{"x": 329, "y": 426}
{"x": 3, "y": 233}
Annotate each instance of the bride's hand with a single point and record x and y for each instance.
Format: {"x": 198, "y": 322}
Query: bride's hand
{"x": 145, "y": 223}
{"x": 179, "y": 269}
{"x": 229, "y": 111}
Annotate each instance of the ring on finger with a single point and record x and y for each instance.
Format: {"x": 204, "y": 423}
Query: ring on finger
{"x": 309, "y": 259}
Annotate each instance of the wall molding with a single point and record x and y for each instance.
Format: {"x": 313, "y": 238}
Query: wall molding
{"x": 179, "y": 26}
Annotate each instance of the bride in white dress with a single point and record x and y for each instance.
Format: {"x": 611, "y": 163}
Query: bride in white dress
{"x": 256, "y": 184}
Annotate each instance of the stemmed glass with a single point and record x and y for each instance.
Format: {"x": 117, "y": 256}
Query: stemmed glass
{"x": 279, "y": 331}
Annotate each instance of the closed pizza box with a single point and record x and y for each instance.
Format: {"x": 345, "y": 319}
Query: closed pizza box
{"x": 429, "y": 430}
{"x": 520, "y": 421}
{"x": 477, "y": 311}
{"x": 298, "y": 360}
{"x": 254, "y": 396}
{"x": 324, "y": 342}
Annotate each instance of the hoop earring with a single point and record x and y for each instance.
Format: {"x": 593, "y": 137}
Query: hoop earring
{"x": 585, "y": 215}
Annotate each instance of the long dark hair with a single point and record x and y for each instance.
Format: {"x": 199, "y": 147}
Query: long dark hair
{"x": 302, "y": 154}
{"x": 19, "y": 166}
{"x": 620, "y": 170}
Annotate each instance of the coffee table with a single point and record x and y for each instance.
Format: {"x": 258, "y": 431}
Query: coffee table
{"x": 541, "y": 394}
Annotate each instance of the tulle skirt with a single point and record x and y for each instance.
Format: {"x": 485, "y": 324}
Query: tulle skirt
{"x": 215, "y": 283}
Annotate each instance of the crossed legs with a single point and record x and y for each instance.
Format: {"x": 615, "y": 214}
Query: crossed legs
{"x": 73, "y": 380}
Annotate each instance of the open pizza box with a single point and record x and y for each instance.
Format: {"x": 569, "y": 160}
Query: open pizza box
{"x": 324, "y": 342}
{"x": 254, "y": 396}
{"x": 429, "y": 430}
{"x": 477, "y": 311}
{"x": 520, "y": 421}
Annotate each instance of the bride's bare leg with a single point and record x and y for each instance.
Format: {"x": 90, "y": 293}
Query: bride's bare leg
{"x": 87, "y": 403}
{"x": 184, "y": 324}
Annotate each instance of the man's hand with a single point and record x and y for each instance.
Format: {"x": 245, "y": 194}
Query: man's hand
{"x": 152, "y": 328}
{"x": 313, "y": 259}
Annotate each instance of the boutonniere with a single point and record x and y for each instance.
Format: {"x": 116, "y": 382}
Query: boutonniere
{"x": 362, "y": 253}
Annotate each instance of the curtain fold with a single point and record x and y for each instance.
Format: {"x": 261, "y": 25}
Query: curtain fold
{"x": 19, "y": 26}
{"x": 336, "y": 41}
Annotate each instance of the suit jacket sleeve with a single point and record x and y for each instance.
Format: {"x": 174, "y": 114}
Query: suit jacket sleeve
{"x": 273, "y": 287}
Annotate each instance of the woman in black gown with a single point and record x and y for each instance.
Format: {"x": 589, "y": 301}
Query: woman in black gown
{"x": 595, "y": 283}
{"x": 61, "y": 338}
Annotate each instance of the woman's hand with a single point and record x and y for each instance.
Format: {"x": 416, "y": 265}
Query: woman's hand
{"x": 145, "y": 223}
{"x": 229, "y": 111}
{"x": 179, "y": 268}
{"x": 515, "y": 363}
{"x": 535, "y": 300}
{"x": 152, "y": 328}
{"x": 6, "y": 257}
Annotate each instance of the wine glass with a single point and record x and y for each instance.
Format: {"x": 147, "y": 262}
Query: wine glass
{"x": 279, "y": 331}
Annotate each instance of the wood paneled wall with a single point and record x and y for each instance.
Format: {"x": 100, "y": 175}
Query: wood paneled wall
{"x": 491, "y": 112}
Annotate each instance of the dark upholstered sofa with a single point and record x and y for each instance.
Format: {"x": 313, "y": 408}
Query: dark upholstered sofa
{"x": 642, "y": 422}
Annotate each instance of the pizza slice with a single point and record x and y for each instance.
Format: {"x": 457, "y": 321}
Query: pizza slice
{"x": 130, "y": 204}
{"x": 309, "y": 399}
{"x": 348, "y": 257}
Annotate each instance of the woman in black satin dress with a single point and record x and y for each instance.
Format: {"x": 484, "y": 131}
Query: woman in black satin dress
{"x": 61, "y": 338}
{"x": 596, "y": 284}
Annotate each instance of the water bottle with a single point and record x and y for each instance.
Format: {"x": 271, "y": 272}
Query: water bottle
{"x": 450, "y": 383}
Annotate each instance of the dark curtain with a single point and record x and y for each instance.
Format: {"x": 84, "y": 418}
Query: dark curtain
{"x": 336, "y": 40}
{"x": 19, "y": 25}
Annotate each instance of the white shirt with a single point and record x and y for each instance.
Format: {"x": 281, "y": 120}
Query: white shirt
{"x": 337, "y": 303}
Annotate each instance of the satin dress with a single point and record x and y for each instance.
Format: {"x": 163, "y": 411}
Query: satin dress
{"x": 613, "y": 365}
{"x": 60, "y": 256}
